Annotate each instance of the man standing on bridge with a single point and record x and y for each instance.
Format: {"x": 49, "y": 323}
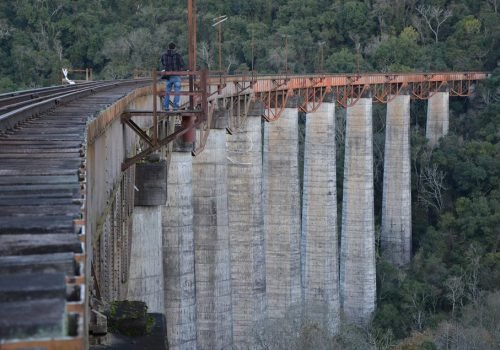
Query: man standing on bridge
{"x": 172, "y": 61}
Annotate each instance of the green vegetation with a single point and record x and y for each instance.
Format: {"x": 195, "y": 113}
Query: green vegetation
{"x": 451, "y": 290}
{"x": 38, "y": 38}
{"x": 449, "y": 296}
{"x": 130, "y": 318}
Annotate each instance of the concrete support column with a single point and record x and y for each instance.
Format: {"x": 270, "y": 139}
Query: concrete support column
{"x": 320, "y": 277}
{"x": 438, "y": 117}
{"x": 246, "y": 227}
{"x": 396, "y": 198}
{"x": 212, "y": 258}
{"x": 357, "y": 257}
{"x": 282, "y": 212}
{"x": 178, "y": 254}
{"x": 146, "y": 270}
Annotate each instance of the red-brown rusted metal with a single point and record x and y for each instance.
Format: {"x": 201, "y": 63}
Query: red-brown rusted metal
{"x": 312, "y": 98}
{"x": 190, "y": 118}
{"x": 275, "y": 92}
{"x": 349, "y": 88}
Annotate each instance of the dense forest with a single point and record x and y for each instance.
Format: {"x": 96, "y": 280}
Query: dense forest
{"x": 113, "y": 37}
{"x": 449, "y": 297}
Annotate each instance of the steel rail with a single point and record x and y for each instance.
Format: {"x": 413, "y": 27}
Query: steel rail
{"x": 23, "y": 112}
{"x": 10, "y": 101}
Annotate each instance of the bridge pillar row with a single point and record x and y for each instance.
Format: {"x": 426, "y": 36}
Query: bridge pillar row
{"x": 319, "y": 247}
{"x": 282, "y": 211}
{"x": 357, "y": 254}
{"x": 246, "y": 232}
{"x": 396, "y": 197}
{"x": 178, "y": 252}
{"x": 438, "y": 116}
{"x": 211, "y": 241}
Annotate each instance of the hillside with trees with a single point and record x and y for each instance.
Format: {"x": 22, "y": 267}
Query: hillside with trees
{"x": 449, "y": 297}
{"x": 38, "y": 38}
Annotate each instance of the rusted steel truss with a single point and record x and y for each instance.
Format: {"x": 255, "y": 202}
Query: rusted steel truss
{"x": 235, "y": 93}
{"x": 275, "y": 91}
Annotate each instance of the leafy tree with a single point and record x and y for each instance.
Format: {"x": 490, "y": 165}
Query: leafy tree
{"x": 466, "y": 48}
{"x": 399, "y": 54}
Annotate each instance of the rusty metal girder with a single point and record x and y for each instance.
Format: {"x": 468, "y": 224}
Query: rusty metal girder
{"x": 460, "y": 88}
{"x": 275, "y": 102}
{"x": 274, "y": 90}
{"x": 265, "y": 83}
{"x": 311, "y": 98}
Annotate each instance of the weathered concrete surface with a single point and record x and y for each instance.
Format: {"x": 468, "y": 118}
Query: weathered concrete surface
{"x": 151, "y": 183}
{"x": 211, "y": 244}
{"x": 320, "y": 279}
{"x": 396, "y": 198}
{"x": 246, "y": 227}
{"x": 178, "y": 254}
{"x": 438, "y": 117}
{"x": 146, "y": 270}
{"x": 109, "y": 194}
{"x": 357, "y": 255}
{"x": 282, "y": 213}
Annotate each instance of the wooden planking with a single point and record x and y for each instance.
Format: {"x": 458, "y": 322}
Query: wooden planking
{"x": 41, "y": 195}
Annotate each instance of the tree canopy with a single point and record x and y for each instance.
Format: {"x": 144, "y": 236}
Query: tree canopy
{"x": 38, "y": 38}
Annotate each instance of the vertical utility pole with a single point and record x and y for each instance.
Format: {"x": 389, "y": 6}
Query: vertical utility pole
{"x": 253, "y": 49}
{"x": 321, "y": 45}
{"x": 218, "y": 23}
{"x": 220, "y": 47}
{"x": 286, "y": 54}
{"x": 358, "y": 45}
{"x": 188, "y": 121}
{"x": 192, "y": 34}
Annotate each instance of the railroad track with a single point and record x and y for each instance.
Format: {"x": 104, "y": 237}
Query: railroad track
{"x": 11, "y": 100}
{"x": 41, "y": 208}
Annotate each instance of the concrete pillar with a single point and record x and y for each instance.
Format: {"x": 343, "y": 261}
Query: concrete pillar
{"x": 320, "y": 277}
{"x": 357, "y": 254}
{"x": 178, "y": 254}
{"x": 246, "y": 227}
{"x": 396, "y": 198}
{"x": 282, "y": 212}
{"x": 438, "y": 117}
{"x": 146, "y": 270}
{"x": 212, "y": 258}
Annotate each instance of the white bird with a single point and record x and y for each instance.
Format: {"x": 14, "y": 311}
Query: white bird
{"x": 65, "y": 72}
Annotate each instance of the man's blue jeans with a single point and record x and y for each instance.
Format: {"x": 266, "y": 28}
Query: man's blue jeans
{"x": 174, "y": 81}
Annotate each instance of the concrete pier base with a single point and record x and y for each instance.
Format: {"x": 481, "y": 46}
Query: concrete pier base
{"x": 357, "y": 256}
{"x": 438, "y": 117}
{"x": 282, "y": 213}
{"x": 146, "y": 271}
{"x": 212, "y": 258}
{"x": 319, "y": 220}
{"x": 396, "y": 198}
{"x": 246, "y": 227}
{"x": 178, "y": 254}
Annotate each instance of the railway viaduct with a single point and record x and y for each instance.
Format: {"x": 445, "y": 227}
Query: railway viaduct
{"x": 206, "y": 214}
